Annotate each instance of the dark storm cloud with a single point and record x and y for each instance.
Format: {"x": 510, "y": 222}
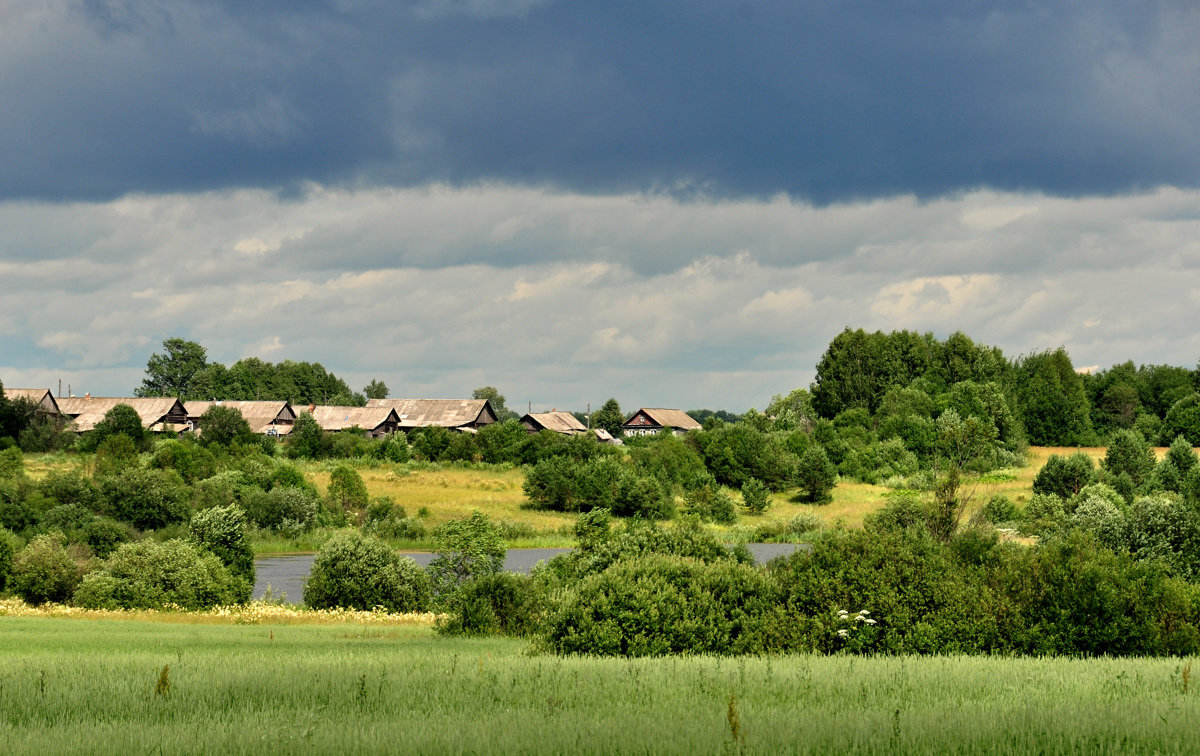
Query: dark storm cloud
{"x": 826, "y": 101}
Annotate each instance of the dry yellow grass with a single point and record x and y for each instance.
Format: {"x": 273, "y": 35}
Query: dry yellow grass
{"x": 253, "y": 613}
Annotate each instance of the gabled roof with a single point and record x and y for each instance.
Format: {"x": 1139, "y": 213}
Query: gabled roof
{"x": 42, "y": 397}
{"x": 667, "y": 418}
{"x": 260, "y": 415}
{"x": 332, "y": 418}
{"x": 448, "y": 413}
{"x": 86, "y": 411}
{"x": 559, "y": 422}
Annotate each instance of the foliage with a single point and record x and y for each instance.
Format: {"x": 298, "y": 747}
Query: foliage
{"x": 755, "y": 496}
{"x": 173, "y": 372}
{"x": 103, "y": 535}
{"x": 6, "y": 556}
{"x": 735, "y": 453}
{"x": 225, "y": 426}
{"x": 154, "y": 575}
{"x": 710, "y": 503}
{"x": 465, "y": 550}
{"x": 1129, "y": 454}
{"x": 610, "y": 418}
{"x": 146, "y": 499}
{"x": 1166, "y": 528}
{"x": 347, "y": 491}
{"x": 387, "y": 519}
{"x": 495, "y": 398}
{"x": 655, "y": 605}
{"x": 307, "y": 440}
{"x": 566, "y": 485}
{"x": 1053, "y": 403}
{"x": 115, "y": 455}
{"x": 300, "y": 383}
{"x": 503, "y": 603}
{"x": 222, "y": 531}
{"x": 291, "y": 508}
{"x": 1064, "y": 476}
{"x": 192, "y": 462}
{"x": 121, "y": 419}
{"x": 1183, "y": 419}
{"x": 816, "y": 475}
{"x": 376, "y": 389}
{"x": 44, "y": 571}
{"x": 357, "y": 571}
{"x": 1000, "y": 509}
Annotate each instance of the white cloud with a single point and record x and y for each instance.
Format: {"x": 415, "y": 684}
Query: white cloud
{"x": 652, "y": 300}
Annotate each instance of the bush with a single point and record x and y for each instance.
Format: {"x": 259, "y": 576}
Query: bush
{"x": 44, "y": 571}
{"x": 1044, "y": 512}
{"x": 222, "y": 532}
{"x": 1104, "y": 520}
{"x": 225, "y": 426}
{"x": 387, "y": 519}
{"x": 146, "y": 499}
{"x": 284, "y": 508}
{"x": 6, "y": 556}
{"x": 154, "y": 575}
{"x": 12, "y": 463}
{"x": 816, "y": 475}
{"x": 1064, "y": 476}
{"x": 114, "y": 455}
{"x": 466, "y": 550}
{"x": 71, "y": 487}
{"x": 900, "y": 513}
{"x": 1163, "y": 527}
{"x": 346, "y": 489}
{"x": 356, "y": 571}
{"x": 499, "y": 604}
{"x": 999, "y": 509}
{"x": 307, "y": 440}
{"x": 103, "y": 535}
{"x": 600, "y": 548}
{"x": 121, "y": 420}
{"x": 755, "y": 496}
{"x": 737, "y": 452}
{"x": 711, "y": 504}
{"x": 192, "y": 462}
{"x": 656, "y": 605}
{"x": 1129, "y": 454}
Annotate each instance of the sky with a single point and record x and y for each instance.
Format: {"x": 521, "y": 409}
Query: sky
{"x": 674, "y": 204}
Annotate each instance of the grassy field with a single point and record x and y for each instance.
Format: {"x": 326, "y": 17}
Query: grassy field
{"x": 88, "y": 686}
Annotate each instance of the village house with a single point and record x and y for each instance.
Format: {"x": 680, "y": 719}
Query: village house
{"x": 41, "y": 398}
{"x": 648, "y": 421}
{"x": 466, "y": 415}
{"x": 160, "y": 414}
{"x": 274, "y": 418}
{"x": 377, "y": 422}
{"x": 555, "y": 420}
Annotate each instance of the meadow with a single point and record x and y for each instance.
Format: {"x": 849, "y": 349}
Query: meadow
{"x": 86, "y": 685}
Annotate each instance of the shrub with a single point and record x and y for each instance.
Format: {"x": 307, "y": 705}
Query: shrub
{"x": 17, "y": 509}
{"x": 1064, "y": 476}
{"x": 225, "y": 426}
{"x": 1000, "y": 509}
{"x": 287, "y": 507}
{"x": 387, "y": 519}
{"x": 900, "y": 513}
{"x": 155, "y": 575}
{"x": 12, "y": 463}
{"x": 1043, "y": 512}
{"x": 6, "y": 556}
{"x": 146, "y": 498}
{"x": 103, "y": 535}
{"x": 192, "y": 462}
{"x": 1129, "y": 454}
{"x": 356, "y": 571}
{"x": 466, "y": 550}
{"x": 599, "y": 548}
{"x": 816, "y": 475}
{"x": 121, "y": 420}
{"x": 307, "y": 440}
{"x": 1104, "y": 520}
{"x": 1163, "y": 527}
{"x": 114, "y": 455}
{"x": 655, "y": 605}
{"x": 346, "y": 489}
{"x": 737, "y": 452}
{"x": 710, "y": 503}
{"x": 71, "y": 487}
{"x": 44, "y": 571}
{"x": 755, "y": 496}
{"x": 501, "y": 604}
{"x": 222, "y": 531}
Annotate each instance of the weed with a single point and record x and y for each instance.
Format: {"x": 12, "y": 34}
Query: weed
{"x": 163, "y": 687}
{"x": 734, "y": 721}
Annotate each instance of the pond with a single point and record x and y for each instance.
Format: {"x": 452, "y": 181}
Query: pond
{"x": 286, "y": 574}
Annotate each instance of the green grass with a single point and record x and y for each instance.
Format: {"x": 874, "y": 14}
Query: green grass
{"x": 87, "y": 686}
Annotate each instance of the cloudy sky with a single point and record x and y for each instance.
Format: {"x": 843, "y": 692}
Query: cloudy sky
{"x": 672, "y": 203}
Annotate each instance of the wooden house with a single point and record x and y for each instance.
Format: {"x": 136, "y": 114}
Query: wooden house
{"x": 559, "y": 422}
{"x": 271, "y": 418}
{"x": 161, "y": 414}
{"x": 647, "y": 421}
{"x": 41, "y": 398}
{"x": 375, "y": 421}
{"x": 457, "y": 414}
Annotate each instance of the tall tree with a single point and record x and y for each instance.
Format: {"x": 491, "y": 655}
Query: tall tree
{"x": 609, "y": 417}
{"x": 1053, "y": 403}
{"x": 376, "y": 389}
{"x": 172, "y": 372}
{"x": 491, "y": 394}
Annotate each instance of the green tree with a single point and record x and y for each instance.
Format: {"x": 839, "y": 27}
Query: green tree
{"x": 495, "y": 398}
{"x": 124, "y": 420}
{"x": 1129, "y": 454}
{"x": 357, "y": 571}
{"x": 173, "y": 372}
{"x": 466, "y": 549}
{"x": 347, "y": 491}
{"x": 376, "y": 389}
{"x": 15, "y": 417}
{"x": 815, "y": 474}
{"x": 1052, "y": 402}
{"x": 609, "y": 417}
{"x": 307, "y": 440}
{"x": 150, "y": 575}
{"x": 1183, "y": 419}
{"x": 223, "y": 531}
{"x": 222, "y": 426}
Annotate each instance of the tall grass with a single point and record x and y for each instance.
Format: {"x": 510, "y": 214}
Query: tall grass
{"x": 82, "y": 686}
